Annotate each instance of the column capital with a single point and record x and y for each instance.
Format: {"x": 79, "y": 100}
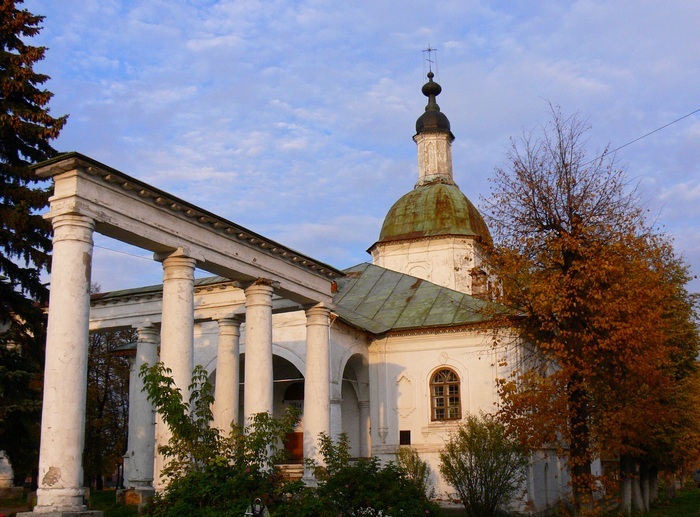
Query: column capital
{"x": 230, "y": 326}
{"x": 147, "y": 333}
{"x": 318, "y": 314}
{"x": 259, "y": 293}
{"x": 75, "y": 227}
{"x": 178, "y": 267}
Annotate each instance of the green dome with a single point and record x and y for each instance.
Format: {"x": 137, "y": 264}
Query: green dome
{"x": 433, "y": 210}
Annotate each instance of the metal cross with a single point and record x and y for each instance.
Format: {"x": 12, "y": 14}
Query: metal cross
{"x": 428, "y": 57}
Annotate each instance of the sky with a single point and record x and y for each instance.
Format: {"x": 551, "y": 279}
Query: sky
{"x": 295, "y": 119}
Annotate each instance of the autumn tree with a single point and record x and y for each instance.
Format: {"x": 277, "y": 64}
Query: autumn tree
{"x": 601, "y": 303}
{"x": 26, "y": 128}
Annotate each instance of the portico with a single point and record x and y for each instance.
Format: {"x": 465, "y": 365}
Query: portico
{"x": 89, "y": 196}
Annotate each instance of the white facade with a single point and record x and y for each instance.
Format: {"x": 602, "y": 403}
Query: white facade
{"x": 450, "y": 261}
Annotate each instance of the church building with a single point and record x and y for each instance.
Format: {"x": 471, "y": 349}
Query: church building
{"x": 392, "y": 353}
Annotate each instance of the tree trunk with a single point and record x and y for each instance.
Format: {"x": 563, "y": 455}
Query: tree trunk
{"x": 579, "y": 448}
{"x": 637, "y": 498}
{"x": 626, "y": 478}
{"x": 653, "y": 484}
{"x": 670, "y": 482}
{"x": 644, "y": 484}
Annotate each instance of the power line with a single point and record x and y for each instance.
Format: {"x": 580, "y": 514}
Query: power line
{"x": 650, "y": 133}
{"x": 150, "y": 259}
{"x": 124, "y": 253}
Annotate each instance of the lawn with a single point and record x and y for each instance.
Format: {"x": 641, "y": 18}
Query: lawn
{"x": 686, "y": 504}
{"x": 106, "y": 500}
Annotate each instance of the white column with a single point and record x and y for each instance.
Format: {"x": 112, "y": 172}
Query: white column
{"x": 317, "y": 387}
{"x": 336, "y": 416}
{"x": 138, "y": 461}
{"x": 65, "y": 375}
{"x": 176, "y": 338}
{"x": 257, "y": 395}
{"x": 227, "y": 375}
{"x": 365, "y": 434}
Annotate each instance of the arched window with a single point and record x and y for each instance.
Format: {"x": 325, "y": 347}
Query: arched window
{"x": 444, "y": 396}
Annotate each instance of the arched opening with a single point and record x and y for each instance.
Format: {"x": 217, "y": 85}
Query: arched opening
{"x": 294, "y": 443}
{"x": 355, "y": 405}
{"x": 288, "y": 390}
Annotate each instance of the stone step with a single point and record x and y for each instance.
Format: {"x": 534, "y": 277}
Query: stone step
{"x": 291, "y": 471}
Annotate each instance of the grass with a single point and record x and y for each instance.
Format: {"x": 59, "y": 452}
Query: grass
{"x": 106, "y": 500}
{"x": 685, "y": 504}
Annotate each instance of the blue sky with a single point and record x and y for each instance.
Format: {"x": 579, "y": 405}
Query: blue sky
{"x": 295, "y": 118}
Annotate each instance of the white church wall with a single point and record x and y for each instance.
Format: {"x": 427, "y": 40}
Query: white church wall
{"x": 206, "y": 339}
{"x": 402, "y": 367}
{"x": 446, "y": 261}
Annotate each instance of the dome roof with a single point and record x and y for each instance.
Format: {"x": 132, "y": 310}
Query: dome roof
{"x": 433, "y": 210}
{"x": 433, "y": 119}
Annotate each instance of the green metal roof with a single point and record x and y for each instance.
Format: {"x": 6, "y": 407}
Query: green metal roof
{"x": 378, "y": 300}
{"x": 432, "y": 210}
{"x": 154, "y": 289}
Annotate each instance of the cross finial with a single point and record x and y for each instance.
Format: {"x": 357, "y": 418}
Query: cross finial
{"x": 428, "y": 56}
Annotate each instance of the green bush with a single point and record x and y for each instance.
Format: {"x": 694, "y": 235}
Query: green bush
{"x": 366, "y": 487}
{"x": 213, "y": 475}
{"x": 416, "y": 469}
{"x": 210, "y": 474}
{"x": 484, "y": 464}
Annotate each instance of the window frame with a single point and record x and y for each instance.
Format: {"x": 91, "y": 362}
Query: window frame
{"x": 442, "y": 400}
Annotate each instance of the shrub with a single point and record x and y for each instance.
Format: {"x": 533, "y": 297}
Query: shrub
{"x": 416, "y": 469}
{"x": 213, "y": 475}
{"x": 366, "y": 486}
{"x": 484, "y": 464}
{"x": 210, "y": 474}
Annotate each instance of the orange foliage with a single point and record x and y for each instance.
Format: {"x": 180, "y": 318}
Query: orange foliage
{"x": 611, "y": 369}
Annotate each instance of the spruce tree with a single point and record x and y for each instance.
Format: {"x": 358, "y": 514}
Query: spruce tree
{"x": 26, "y": 128}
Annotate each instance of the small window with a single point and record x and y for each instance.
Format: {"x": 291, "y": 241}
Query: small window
{"x": 405, "y": 437}
{"x": 444, "y": 396}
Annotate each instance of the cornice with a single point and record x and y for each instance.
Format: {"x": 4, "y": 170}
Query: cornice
{"x": 76, "y": 161}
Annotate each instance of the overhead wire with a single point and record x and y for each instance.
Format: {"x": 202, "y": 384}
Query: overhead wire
{"x": 124, "y": 252}
{"x": 645, "y": 135}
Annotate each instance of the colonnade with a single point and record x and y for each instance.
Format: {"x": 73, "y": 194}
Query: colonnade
{"x": 63, "y": 418}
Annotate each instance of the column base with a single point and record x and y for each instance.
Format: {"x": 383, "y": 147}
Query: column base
{"x": 85, "y": 513}
{"x": 135, "y": 496}
{"x": 310, "y": 481}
